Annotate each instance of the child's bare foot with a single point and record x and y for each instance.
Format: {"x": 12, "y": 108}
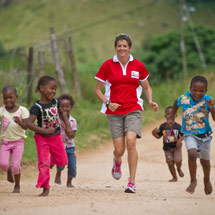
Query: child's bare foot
{"x": 10, "y": 175}
{"x": 191, "y": 188}
{"x": 69, "y": 185}
{"x": 173, "y": 180}
{"x": 57, "y": 179}
{"x": 180, "y": 172}
{"x": 208, "y": 187}
{"x": 16, "y": 189}
{"x": 69, "y": 182}
{"x": 45, "y": 192}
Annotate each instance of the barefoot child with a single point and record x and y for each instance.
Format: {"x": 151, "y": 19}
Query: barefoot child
{"x": 67, "y": 103}
{"x": 12, "y": 134}
{"x": 196, "y": 105}
{"x": 47, "y": 131}
{"x": 172, "y": 142}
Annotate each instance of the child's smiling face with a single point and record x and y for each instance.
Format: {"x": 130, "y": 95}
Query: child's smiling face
{"x": 49, "y": 90}
{"x": 9, "y": 98}
{"x": 65, "y": 105}
{"x": 198, "y": 90}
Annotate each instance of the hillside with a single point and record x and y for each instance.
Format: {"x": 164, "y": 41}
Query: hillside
{"x": 93, "y": 24}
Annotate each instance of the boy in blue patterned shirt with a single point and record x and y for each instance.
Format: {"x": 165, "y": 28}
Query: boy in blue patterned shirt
{"x": 196, "y": 105}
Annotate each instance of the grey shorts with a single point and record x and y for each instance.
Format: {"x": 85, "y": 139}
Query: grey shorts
{"x": 120, "y": 124}
{"x": 201, "y": 144}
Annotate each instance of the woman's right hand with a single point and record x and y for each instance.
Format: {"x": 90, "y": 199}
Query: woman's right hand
{"x": 154, "y": 105}
{"x": 113, "y": 106}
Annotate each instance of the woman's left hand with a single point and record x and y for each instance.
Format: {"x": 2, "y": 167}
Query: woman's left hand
{"x": 154, "y": 105}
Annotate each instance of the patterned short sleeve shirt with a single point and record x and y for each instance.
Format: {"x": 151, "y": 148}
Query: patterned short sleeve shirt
{"x": 195, "y": 116}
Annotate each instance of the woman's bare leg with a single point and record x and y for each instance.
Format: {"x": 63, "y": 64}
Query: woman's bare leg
{"x": 132, "y": 154}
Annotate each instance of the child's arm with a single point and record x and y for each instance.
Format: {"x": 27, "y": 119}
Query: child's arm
{"x": 155, "y": 133}
{"x": 30, "y": 124}
{"x": 179, "y": 142}
{"x": 64, "y": 128}
{"x": 20, "y": 122}
{"x": 148, "y": 91}
{"x": 64, "y": 118}
{"x": 73, "y": 134}
{"x": 171, "y": 121}
{"x": 211, "y": 106}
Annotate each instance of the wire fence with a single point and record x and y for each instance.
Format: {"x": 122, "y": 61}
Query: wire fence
{"x": 14, "y": 70}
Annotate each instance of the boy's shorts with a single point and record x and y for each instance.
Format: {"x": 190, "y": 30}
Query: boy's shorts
{"x": 120, "y": 124}
{"x": 201, "y": 144}
{"x": 174, "y": 154}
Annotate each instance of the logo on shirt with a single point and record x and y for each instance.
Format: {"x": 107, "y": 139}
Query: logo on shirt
{"x": 170, "y": 136}
{"x": 135, "y": 74}
{"x": 50, "y": 117}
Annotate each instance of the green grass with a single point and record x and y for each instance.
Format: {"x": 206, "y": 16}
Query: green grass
{"x": 30, "y": 152}
{"x": 93, "y": 24}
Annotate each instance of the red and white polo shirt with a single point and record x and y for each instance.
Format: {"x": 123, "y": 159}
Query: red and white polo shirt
{"x": 122, "y": 84}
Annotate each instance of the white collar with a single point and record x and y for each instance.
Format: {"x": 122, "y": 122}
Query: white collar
{"x": 115, "y": 58}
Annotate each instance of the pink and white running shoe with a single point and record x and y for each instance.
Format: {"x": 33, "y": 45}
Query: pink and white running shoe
{"x": 131, "y": 188}
{"x": 116, "y": 170}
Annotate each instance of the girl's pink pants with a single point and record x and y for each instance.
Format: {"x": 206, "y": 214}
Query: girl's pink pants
{"x": 47, "y": 147}
{"x": 14, "y": 148}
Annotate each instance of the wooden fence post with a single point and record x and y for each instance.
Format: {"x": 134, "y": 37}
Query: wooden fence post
{"x": 56, "y": 57}
{"x": 30, "y": 60}
{"x": 75, "y": 80}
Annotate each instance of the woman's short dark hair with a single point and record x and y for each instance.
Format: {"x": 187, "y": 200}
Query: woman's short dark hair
{"x": 43, "y": 81}
{"x": 201, "y": 79}
{"x": 67, "y": 97}
{"x": 123, "y": 37}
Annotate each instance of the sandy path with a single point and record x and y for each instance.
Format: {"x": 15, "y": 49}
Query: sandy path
{"x": 96, "y": 192}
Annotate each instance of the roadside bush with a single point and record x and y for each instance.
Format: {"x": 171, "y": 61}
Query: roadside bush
{"x": 162, "y": 56}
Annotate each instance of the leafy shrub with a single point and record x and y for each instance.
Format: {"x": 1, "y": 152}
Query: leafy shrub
{"x": 162, "y": 56}
{"x": 2, "y": 51}
{"x": 86, "y": 76}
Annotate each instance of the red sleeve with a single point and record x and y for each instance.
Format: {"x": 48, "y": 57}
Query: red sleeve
{"x": 103, "y": 72}
{"x": 143, "y": 71}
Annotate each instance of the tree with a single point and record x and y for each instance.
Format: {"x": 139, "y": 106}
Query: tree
{"x": 162, "y": 57}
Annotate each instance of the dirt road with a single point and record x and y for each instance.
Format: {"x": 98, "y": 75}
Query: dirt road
{"x": 96, "y": 192}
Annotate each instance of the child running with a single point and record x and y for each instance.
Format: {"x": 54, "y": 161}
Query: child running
{"x": 196, "y": 105}
{"x": 67, "y": 103}
{"x": 47, "y": 131}
{"x": 12, "y": 134}
{"x": 172, "y": 143}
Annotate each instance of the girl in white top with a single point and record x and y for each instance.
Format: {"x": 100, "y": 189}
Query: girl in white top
{"x": 12, "y": 134}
